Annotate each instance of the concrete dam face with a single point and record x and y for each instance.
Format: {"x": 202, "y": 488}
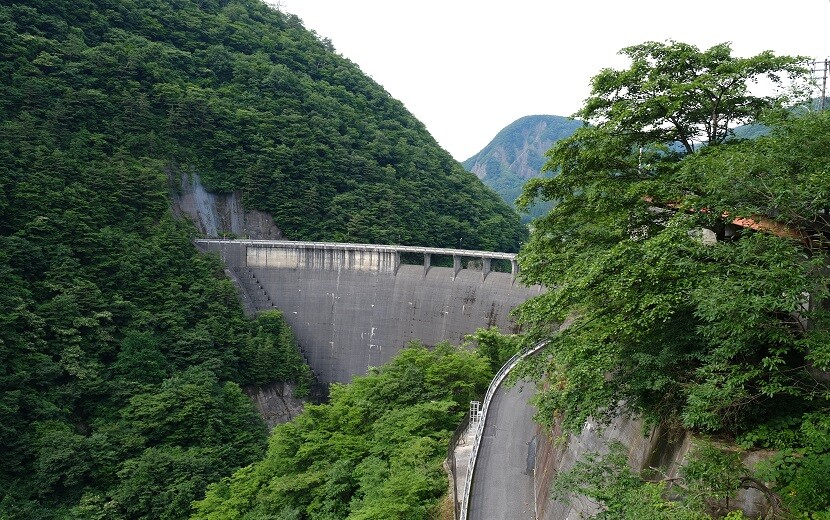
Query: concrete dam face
{"x": 354, "y": 306}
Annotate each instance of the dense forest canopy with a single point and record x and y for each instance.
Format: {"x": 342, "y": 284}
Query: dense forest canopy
{"x": 123, "y": 351}
{"x": 252, "y": 101}
{"x": 728, "y": 336}
{"x": 375, "y": 451}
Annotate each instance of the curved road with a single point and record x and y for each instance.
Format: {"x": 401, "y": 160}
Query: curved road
{"x": 502, "y": 487}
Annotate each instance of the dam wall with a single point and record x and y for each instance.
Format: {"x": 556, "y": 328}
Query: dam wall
{"x": 354, "y": 306}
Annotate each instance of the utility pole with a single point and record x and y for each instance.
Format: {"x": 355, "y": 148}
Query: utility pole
{"x": 820, "y": 70}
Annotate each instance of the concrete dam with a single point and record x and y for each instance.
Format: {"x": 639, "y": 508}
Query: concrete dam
{"x": 354, "y": 306}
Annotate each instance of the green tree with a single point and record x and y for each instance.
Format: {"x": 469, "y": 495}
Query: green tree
{"x": 271, "y": 353}
{"x": 801, "y": 445}
{"x": 190, "y": 429}
{"x": 675, "y": 93}
{"x": 665, "y": 324}
{"x": 374, "y": 451}
{"x": 496, "y": 347}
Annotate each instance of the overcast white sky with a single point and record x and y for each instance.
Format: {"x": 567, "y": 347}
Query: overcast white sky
{"x": 468, "y": 68}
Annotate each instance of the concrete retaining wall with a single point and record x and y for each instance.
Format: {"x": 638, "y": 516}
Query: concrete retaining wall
{"x": 656, "y": 447}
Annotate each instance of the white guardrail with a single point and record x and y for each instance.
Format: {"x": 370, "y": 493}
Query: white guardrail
{"x": 491, "y": 390}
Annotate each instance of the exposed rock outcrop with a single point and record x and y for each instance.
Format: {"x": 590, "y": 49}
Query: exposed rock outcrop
{"x": 518, "y": 151}
{"x": 276, "y": 402}
{"x": 660, "y": 447}
{"x": 217, "y": 214}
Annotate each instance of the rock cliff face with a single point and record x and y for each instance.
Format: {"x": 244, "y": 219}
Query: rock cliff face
{"x": 658, "y": 447}
{"x": 217, "y": 215}
{"x": 519, "y": 149}
{"x": 517, "y": 153}
{"x": 276, "y": 402}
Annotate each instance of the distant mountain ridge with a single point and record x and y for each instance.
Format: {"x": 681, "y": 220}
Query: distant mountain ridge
{"x": 519, "y": 148}
{"x": 517, "y": 153}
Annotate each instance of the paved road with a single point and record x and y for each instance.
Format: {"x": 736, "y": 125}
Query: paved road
{"x": 502, "y": 486}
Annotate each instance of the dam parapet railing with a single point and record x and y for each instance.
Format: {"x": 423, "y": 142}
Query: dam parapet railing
{"x": 336, "y": 255}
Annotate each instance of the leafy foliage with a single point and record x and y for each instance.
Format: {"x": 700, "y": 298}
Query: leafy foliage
{"x": 707, "y": 480}
{"x": 675, "y": 93}
{"x": 121, "y": 348}
{"x": 668, "y": 323}
{"x": 271, "y": 353}
{"x": 802, "y": 444}
{"x": 665, "y": 322}
{"x": 247, "y": 97}
{"x": 115, "y": 386}
{"x": 711, "y": 476}
{"x": 374, "y": 451}
{"x": 496, "y": 347}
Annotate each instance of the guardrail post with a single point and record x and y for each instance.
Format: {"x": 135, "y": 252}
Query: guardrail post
{"x": 396, "y": 257}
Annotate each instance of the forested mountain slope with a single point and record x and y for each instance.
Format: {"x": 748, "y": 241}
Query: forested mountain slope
{"x": 121, "y": 349}
{"x": 250, "y": 99}
{"x": 517, "y": 153}
{"x": 374, "y": 452}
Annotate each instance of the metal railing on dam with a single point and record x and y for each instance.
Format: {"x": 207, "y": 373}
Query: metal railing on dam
{"x": 354, "y": 306}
